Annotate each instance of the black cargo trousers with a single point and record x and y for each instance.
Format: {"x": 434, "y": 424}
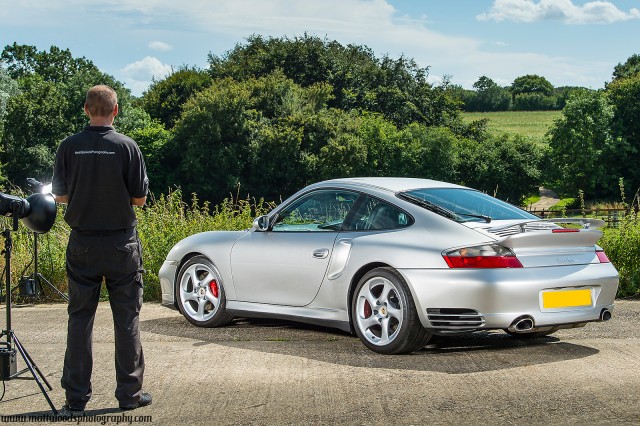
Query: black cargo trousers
{"x": 115, "y": 256}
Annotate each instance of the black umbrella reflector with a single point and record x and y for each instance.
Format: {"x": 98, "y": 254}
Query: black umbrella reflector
{"x": 42, "y": 213}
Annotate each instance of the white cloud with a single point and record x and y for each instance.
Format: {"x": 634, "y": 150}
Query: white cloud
{"x": 594, "y": 12}
{"x": 160, "y": 46}
{"x": 139, "y": 75}
{"x": 373, "y": 23}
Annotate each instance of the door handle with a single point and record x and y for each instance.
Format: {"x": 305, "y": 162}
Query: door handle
{"x": 321, "y": 253}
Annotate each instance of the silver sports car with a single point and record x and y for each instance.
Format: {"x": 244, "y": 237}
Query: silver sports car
{"x": 396, "y": 260}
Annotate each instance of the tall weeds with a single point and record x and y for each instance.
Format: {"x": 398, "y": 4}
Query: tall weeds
{"x": 161, "y": 224}
{"x": 169, "y": 219}
{"x": 622, "y": 245}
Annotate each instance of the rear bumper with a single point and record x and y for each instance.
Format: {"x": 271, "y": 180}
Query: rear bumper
{"x": 499, "y": 296}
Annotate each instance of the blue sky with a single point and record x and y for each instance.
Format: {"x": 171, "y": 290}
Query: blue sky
{"x": 570, "y": 42}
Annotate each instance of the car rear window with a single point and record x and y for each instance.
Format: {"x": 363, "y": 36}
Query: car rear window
{"x": 467, "y": 203}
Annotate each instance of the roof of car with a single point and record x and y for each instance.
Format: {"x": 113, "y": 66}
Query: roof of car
{"x": 395, "y": 184}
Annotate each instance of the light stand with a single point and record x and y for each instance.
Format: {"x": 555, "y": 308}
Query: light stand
{"x": 31, "y": 285}
{"x": 37, "y": 277}
{"x": 9, "y": 366}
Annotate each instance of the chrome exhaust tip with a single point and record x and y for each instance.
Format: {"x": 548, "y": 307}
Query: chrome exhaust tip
{"x": 522, "y": 324}
{"x": 605, "y": 315}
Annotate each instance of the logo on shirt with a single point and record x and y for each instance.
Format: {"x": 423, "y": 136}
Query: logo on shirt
{"x": 94, "y": 152}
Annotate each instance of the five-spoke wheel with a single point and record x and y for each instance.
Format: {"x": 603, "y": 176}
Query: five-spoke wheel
{"x": 384, "y": 314}
{"x": 200, "y": 294}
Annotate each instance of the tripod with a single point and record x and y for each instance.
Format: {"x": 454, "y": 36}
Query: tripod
{"x": 8, "y": 354}
{"x": 36, "y": 277}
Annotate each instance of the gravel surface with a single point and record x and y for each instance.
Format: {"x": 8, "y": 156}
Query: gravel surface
{"x": 278, "y": 372}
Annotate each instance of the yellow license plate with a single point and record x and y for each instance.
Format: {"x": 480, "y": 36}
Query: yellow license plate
{"x": 566, "y": 298}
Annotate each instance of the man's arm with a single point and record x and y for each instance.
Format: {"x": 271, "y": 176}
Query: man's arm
{"x": 64, "y": 199}
{"x": 138, "y": 201}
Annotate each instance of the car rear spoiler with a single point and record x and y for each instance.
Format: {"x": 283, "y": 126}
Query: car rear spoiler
{"x": 585, "y": 222}
{"x": 580, "y": 238}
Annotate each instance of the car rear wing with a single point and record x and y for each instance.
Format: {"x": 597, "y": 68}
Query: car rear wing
{"x": 587, "y": 223}
{"x": 550, "y": 239}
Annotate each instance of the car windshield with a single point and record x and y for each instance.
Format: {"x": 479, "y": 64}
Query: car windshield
{"x": 464, "y": 205}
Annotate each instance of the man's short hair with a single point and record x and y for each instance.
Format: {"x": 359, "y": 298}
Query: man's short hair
{"x": 101, "y": 100}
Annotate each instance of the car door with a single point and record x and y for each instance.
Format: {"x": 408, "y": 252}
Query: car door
{"x": 286, "y": 264}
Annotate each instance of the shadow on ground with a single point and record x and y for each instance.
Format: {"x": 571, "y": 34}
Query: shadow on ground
{"x": 467, "y": 353}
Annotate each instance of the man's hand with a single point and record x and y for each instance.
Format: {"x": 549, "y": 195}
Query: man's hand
{"x": 138, "y": 201}
{"x": 64, "y": 199}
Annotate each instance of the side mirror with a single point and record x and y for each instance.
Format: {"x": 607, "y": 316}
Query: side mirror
{"x": 261, "y": 223}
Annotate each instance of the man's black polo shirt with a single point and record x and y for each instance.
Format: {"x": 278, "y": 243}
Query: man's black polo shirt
{"x": 100, "y": 170}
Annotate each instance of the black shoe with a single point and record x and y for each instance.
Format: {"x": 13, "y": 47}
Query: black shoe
{"x": 145, "y": 399}
{"x": 67, "y": 411}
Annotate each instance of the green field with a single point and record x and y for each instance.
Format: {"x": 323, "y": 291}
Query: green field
{"x": 531, "y": 124}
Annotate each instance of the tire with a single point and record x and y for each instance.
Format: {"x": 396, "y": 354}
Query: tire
{"x": 384, "y": 315}
{"x": 196, "y": 286}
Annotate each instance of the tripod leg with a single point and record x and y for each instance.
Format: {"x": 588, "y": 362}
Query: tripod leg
{"x": 32, "y": 368}
{"x": 44, "y": 379}
{"x": 39, "y": 277}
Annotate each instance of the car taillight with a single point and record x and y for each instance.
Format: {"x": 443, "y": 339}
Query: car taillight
{"x": 602, "y": 257}
{"x": 487, "y": 256}
{"x": 564, "y": 230}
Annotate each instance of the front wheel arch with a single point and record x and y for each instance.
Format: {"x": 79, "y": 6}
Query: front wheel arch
{"x": 184, "y": 260}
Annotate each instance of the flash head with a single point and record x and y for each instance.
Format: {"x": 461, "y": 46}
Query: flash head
{"x": 38, "y": 211}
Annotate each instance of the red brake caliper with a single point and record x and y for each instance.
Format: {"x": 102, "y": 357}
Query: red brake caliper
{"x": 367, "y": 309}
{"x": 213, "y": 286}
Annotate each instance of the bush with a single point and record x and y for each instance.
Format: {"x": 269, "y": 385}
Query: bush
{"x": 168, "y": 220}
{"x": 534, "y": 102}
{"x": 622, "y": 246}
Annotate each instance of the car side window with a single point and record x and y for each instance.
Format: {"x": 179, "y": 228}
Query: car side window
{"x": 374, "y": 214}
{"x": 318, "y": 211}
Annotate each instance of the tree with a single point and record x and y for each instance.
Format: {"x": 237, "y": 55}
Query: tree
{"x": 397, "y": 88}
{"x": 531, "y": 83}
{"x": 34, "y": 127}
{"x": 629, "y": 69}
{"x": 624, "y": 94}
{"x": 561, "y": 95}
{"x": 8, "y": 88}
{"x": 56, "y": 65}
{"x": 429, "y": 152}
{"x": 164, "y": 98}
{"x": 262, "y": 134}
{"x": 507, "y": 166}
{"x": 489, "y": 96}
{"x": 583, "y": 151}
{"x": 531, "y": 92}
{"x": 53, "y": 86}
{"x": 152, "y": 140}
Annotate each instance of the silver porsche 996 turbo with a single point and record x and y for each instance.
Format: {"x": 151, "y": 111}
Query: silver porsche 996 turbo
{"x": 396, "y": 260}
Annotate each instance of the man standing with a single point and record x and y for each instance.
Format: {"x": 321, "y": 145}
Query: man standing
{"x": 101, "y": 174}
